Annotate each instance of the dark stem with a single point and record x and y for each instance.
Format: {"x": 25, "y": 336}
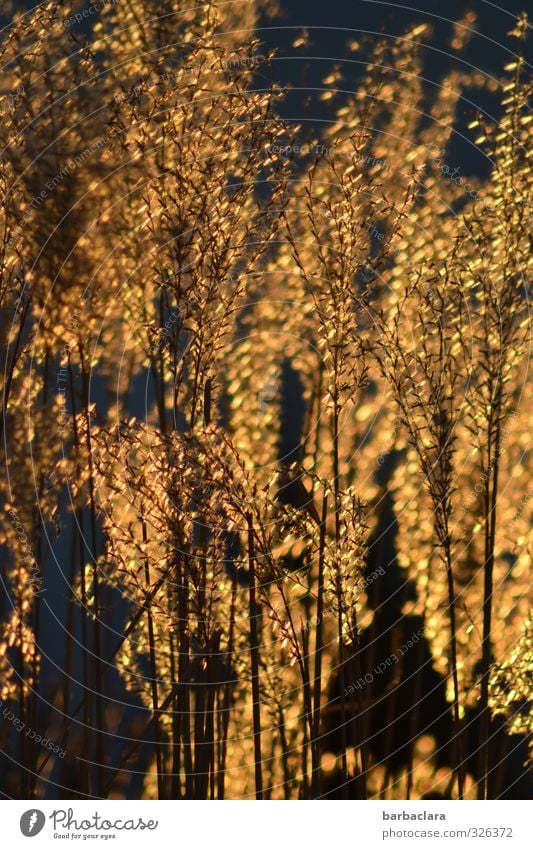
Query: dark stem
{"x": 490, "y": 537}
{"x": 254, "y": 654}
{"x": 221, "y": 777}
{"x": 153, "y": 678}
{"x": 315, "y": 749}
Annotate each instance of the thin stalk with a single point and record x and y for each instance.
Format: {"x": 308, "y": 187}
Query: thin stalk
{"x": 254, "y": 655}
{"x": 212, "y": 682}
{"x": 342, "y": 682}
{"x": 184, "y": 694}
{"x": 284, "y": 754}
{"x": 79, "y": 533}
{"x": 308, "y": 724}
{"x": 200, "y": 770}
{"x": 490, "y": 537}
{"x": 32, "y": 763}
{"x": 69, "y": 629}
{"x": 24, "y": 776}
{"x": 153, "y": 678}
{"x": 97, "y": 652}
{"x": 161, "y": 402}
{"x": 413, "y": 719}
{"x": 453, "y": 651}
{"x": 175, "y": 790}
{"x": 201, "y": 743}
{"x": 221, "y": 777}
{"x": 37, "y": 609}
{"x": 315, "y": 749}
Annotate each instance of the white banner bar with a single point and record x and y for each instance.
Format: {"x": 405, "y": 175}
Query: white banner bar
{"x": 269, "y": 825}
